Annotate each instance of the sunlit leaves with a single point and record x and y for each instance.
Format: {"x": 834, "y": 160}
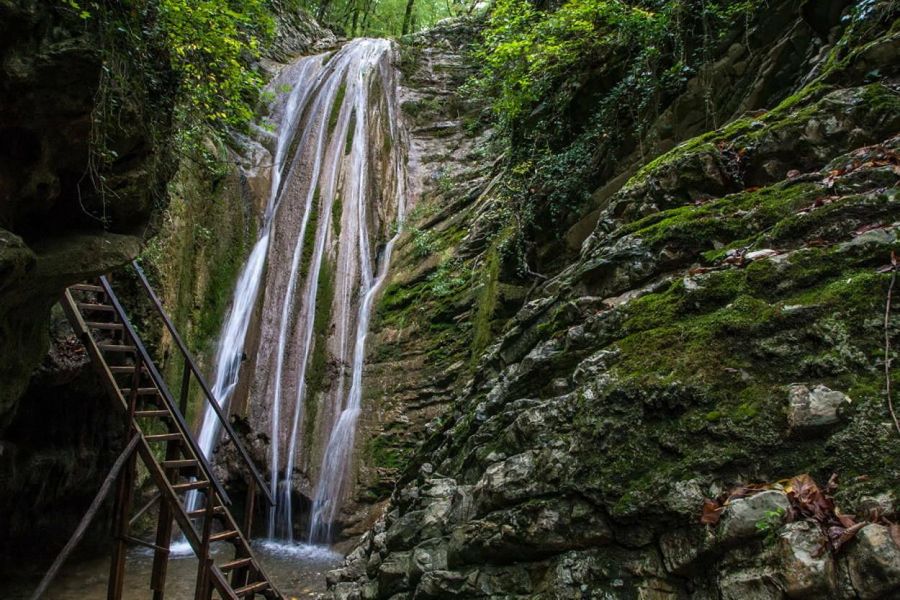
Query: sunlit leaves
{"x": 211, "y": 42}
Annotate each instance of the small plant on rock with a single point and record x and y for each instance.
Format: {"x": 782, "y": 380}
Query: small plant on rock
{"x": 770, "y": 524}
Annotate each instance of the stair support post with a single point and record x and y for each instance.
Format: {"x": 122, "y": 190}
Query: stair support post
{"x": 121, "y": 527}
{"x": 204, "y": 563}
{"x": 164, "y": 524}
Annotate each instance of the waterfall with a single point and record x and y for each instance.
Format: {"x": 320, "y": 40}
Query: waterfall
{"x": 230, "y": 348}
{"x": 336, "y": 459}
{"x": 338, "y": 188}
{"x": 347, "y": 180}
{"x": 306, "y": 292}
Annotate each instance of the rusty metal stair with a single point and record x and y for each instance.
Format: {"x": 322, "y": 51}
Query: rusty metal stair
{"x": 170, "y": 453}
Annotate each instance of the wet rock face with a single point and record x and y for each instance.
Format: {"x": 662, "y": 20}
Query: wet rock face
{"x": 722, "y": 312}
{"x": 418, "y": 348}
{"x": 55, "y": 454}
{"x": 55, "y": 226}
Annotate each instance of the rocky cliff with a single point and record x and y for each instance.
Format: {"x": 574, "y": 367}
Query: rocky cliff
{"x": 66, "y": 211}
{"x": 720, "y": 323}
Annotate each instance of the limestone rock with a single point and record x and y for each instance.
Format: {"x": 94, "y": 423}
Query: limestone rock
{"x": 807, "y": 566}
{"x": 393, "y": 573}
{"x": 683, "y": 550}
{"x": 816, "y": 407}
{"x": 430, "y": 555}
{"x": 874, "y": 562}
{"x": 741, "y": 516}
{"x": 752, "y": 583}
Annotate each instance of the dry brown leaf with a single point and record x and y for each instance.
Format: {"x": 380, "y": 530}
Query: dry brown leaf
{"x": 712, "y": 512}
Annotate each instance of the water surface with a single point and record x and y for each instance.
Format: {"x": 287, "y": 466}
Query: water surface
{"x": 297, "y": 569}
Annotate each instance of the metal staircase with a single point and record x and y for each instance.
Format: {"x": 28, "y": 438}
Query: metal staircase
{"x": 170, "y": 453}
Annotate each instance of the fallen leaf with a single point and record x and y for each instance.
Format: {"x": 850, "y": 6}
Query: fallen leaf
{"x": 845, "y": 536}
{"x": 712, "y": 512}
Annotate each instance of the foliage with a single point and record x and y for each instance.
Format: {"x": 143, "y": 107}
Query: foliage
{"x": 423, "y": 242}
{"x": 770, "y": 524}
{"x": 195, "y": 55}
{"x": 381, "y": 18}
{"x": 575, "y": 86}
{"x": 210, "y": 43}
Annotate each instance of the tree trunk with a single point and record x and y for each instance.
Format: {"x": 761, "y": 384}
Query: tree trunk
{"x": 407, "y": 17}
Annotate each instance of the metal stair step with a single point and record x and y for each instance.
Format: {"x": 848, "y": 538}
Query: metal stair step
{"x": 236, "y": 564}
{"x": 164, "y": 437}
{"x": 252, "y": 588}
{"x": 95, "y": 306}
{"x": 144, "y": 391}
{"x": 152, "y": 413}
{"x": 190, "y": 485}
{"x": 129, "y": 369}
{"x": 103, "y": 325}
{"x": 201, "y": 512}
{"x": 86, "y": 287}
{"x": 224, "y": 535}
{"x": 116, "y": 348}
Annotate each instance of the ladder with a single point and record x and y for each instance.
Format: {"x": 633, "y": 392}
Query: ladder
{"x": 175, "y": 463}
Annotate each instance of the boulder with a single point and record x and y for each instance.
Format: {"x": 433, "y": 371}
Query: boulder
{"x": 393, "y": 574}
{"x": 430, "y": 555}
{"x": 807, "y": 568}
{"x": 684, "y": 550}
{"x": 751, "y": 583}
{"x": 346, "y": 591}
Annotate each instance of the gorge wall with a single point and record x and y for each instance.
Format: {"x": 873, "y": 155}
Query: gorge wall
{"x": 718, "y": 320}
{"x": 66, "y": 213}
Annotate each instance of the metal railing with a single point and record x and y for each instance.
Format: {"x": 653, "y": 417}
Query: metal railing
{"x": 190, "y": 368}
{"x": 160, "y": 384}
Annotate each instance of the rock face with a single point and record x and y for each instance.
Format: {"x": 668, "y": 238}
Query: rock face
{"x": 58, "y": 223}
{"x": 724, "y": 304}
{"x": 66, "y": 213}
{"x": 419, "y": 342}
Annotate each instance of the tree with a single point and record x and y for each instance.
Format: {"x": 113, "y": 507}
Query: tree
{"x": 407, "y": 17}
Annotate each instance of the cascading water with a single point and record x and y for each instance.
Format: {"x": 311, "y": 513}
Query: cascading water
{"x": 348, "y": 172}
{"x": 338, "y": 452}
{"x": 230, "y": 349}
{"x": 338, "y": 184}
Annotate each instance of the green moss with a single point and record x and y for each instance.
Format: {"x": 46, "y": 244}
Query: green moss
{"x": 383, "y": 454}
{"x": 877, "y": 111}
{"x": 336, "y": 107}
{"x": 486, "y": 304}
{"x": 351, "y": 130}
{"x": 318, "y": 364}
{"x": 337, "y": 212}
{"x": 309, "y": 239}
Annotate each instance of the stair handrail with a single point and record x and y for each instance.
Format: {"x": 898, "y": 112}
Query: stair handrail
{"x": 160, "y": 383}
{"x": 192, "y": 365}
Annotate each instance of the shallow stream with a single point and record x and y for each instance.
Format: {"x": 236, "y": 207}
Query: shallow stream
{"x": 297, "y": 569}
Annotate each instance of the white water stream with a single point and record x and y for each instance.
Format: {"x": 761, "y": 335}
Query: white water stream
{"x": 337, "y": 184}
